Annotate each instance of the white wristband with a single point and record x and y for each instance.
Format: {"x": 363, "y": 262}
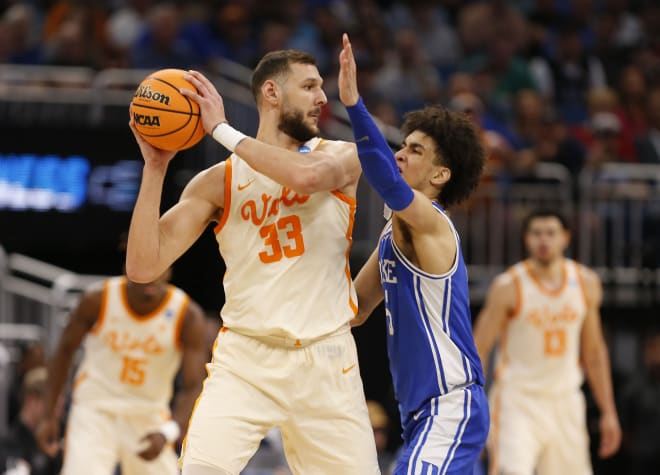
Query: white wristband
{"x": 170, "y": 430}
{"x": 228, "y": 136}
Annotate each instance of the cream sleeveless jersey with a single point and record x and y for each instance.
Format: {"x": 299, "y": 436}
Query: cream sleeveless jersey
{"x": 286, "y": 256}
{"x": 130, "y": 361}
{"x": 539, "y": 350}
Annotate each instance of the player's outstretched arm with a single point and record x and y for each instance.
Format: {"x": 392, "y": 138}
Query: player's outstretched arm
{"x": 377, "y": 159}
{"x": 596, "y": 362}
{"x": 155, "y": 242}
{"x": 501, "y": 302}
{"x": 368, "y": 288}
{"x": 81, "y": 321}
{"x": 193, "y": 361}
{"x": 331, "y": 166}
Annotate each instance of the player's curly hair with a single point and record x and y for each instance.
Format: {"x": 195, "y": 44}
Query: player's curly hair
{"x": 458, "y": 147}
{"x": 276, "y": 63}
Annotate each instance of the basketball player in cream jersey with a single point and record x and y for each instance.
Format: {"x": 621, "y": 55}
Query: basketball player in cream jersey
{"x": 282, "y": 206}
{"x": 544, "y": 312}
{"x": 136, "y": 337}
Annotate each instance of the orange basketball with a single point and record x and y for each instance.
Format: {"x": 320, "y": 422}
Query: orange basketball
{"x": 162, "y": 115}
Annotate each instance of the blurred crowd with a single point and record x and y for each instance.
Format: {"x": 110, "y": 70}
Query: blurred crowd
{"x": 574, "y": 82}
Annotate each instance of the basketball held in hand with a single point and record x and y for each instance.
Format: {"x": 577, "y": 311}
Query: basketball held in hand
{"x": 163, "y": 116}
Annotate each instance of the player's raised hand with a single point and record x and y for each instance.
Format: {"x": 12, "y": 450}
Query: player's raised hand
{"x": 610, "y": 435}
{"x": 348, "y": 90}
{"x": 155, "y": 443}
{"x": 151, "y": 154}
{"x": 209, "y": 99}
{"x": 47, "y": 436}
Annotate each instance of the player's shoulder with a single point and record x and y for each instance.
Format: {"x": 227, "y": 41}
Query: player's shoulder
{"x": 327, "y": 145}
{"x": 97, "y": 288}
{"x": 505, "y": 280}
{"x": 590, "y": 278}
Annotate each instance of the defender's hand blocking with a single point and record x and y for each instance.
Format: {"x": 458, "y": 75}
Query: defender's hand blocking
{"x": 348, "y": 90}
{"x": 210, "y": 101}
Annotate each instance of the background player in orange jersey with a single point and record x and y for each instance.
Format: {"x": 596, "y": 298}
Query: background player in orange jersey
{"x": 284, "y": 204}
{"x": 545, "y": 312}
{"x": 136, "y": 337}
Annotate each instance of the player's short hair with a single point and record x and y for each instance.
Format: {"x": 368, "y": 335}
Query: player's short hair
{"x": 277, "y": 63}
{"x": 544, "y": 213}
{"x": 458, "y": 148}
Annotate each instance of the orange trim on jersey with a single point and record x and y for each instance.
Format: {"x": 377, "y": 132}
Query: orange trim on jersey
{"x": 192, "y": 413}
{"x": 104, "y": 298}
{"x": 519, "y": 294}
{"x": 345, "y": 198}
{"x": 225, "y": 210}
{"x": 541, "y": 286}
{"x": 349, "y": 238}
{"x": 583, "y": 290}
{"x": 78, "y": 379}
{"x": 179, "y": 322}
{"x": 143, "y": 318}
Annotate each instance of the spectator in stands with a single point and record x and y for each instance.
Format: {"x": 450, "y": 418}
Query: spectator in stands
{"x": 430, "y": 22}
{"x": 632, "y": 110}
{"x": 557, "y": 145}
{"x": 648, "y": 145}
{"x": 499, "y": 153}
{"x": 640, "y": 411}
{"x": 122, "y": 30}
{"x": 605, "y": 128}
{"x": 481, "y": 22}
{"x": 604, "y": 101}
{"x": 162, "y": 44}
{"x": 500, "y": 73}
{"x": 19, "y": 23}
{"x": 228, "y": 33}
{"x": 21, "y": 443}
{"x": 73, "y": 34}
{"x": 407, "y": 78}
{"x": 566, "y": 78}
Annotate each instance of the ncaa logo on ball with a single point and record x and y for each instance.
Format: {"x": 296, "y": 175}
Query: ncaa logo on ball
{"x": 148, "y": 120}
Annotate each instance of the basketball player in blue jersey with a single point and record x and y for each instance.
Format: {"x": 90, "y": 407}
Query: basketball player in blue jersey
{"x": 419, "y": 271}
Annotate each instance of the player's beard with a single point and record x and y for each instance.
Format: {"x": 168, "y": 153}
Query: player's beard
{"x": 293, "y": 124}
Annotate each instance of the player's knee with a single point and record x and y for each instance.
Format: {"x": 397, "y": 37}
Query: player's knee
{"x": 203, "y": 470}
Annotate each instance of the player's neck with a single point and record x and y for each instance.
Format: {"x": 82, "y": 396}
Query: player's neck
{"x": 551, "y": 272}
{"x": 144, "y": 305}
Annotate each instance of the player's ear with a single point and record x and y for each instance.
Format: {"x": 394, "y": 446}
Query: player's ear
{"x": 271, "y": 92}
{"x": 441, "y": 175}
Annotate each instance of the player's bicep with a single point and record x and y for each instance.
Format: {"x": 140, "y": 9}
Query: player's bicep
{"x": 338, "y": 166}
{"x": 420, "y": 215}
{"x": 592, "y": 331}
{"x": 499, "y": 305}
{"x": 82, "y": 319}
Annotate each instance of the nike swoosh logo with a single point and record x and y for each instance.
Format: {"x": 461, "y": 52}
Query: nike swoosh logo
{"x": 242, "y": 187}
{"x": 346, "y": 370}
{"x": 363, "y": 139}
{"x": 419, "y": 413}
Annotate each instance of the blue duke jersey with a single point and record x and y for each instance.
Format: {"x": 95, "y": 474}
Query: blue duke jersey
{"x": 429, "y": 328}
